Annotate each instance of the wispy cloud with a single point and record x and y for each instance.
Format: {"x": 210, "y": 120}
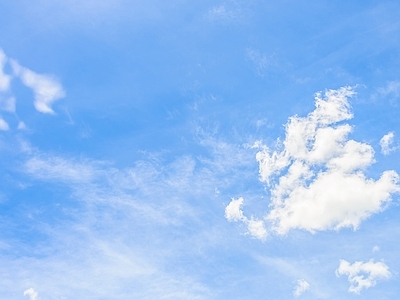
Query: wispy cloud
{"x": 316, "y": 177}
{"x": 33, "y": 295}
{"x": 229, "y": 12}
{"x": 234, "y": 213}
{"x": 301, "y": 286}
{"x": 386, "y": 142}
{"x": 222, "y": 13}
{"x": 262, "y": 62}
{"x": 363, "y": 275}
{"x": 4, "y": 125}
{"x": 5, "y": 79}
{"x": 391, "y": 89}
{"x": 8, "y": 104}
{"x": 46, "y": 89}
{"x": 114, "y": 220}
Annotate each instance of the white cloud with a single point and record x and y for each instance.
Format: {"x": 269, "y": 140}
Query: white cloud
{"x": 261, "y": 61}
{"x": 363, "y": 275}
{"x": 8, "y": 104}
{"x": 46, "y": 89}
{"x": 4, "y": 125}
{"x": 385, "y": 143}
{"x": 316, "y": 177}
{"x": 221, "y": 12}
{"x": 300, "y": 287}
{"x": 392, "y": 88}
{"x": 120, "y": 217}
{"x": 21, "y": 125}
{"x": 31, "y": 293}
{"x": 4, "y": 78}
{"x": 56, "y": 168}
{"x": 375, "y": 249}
{"x": 233, "y": 212}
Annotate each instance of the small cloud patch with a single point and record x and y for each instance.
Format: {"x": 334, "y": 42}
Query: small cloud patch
{"x": 300, "y": 287}
{"x": 363, "y": 275}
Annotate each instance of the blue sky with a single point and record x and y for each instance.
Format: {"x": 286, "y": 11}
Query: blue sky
{"x": 199, "y": 149}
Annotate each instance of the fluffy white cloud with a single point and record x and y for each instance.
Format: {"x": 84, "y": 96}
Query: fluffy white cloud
{"x": 316, "y": 175}
{"x": 363, "y": 275}
{"x": 46, "y": 89}
{"x": 300, "y": 287}
{"x": 386, "y": 142}
{"x": 233, "y": 212}
{"x": 31, "y": 293}
{"x": 4, "y": 78}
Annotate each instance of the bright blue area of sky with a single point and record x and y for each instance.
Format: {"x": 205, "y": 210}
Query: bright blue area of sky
{"x": 151, "y": 142}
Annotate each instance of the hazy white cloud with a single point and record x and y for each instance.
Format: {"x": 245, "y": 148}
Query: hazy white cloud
{"x": 21, "y": 125}
{"x": 316, "y": 175}
{"x": 8, "y": 104}
{"x": 363, "y": 275}
{"x": 55, "y": 168}
{"x": 263, "y": 63}
{"x": 233, "y": 212}
{"x": 4, "y": 78}
{"x": 123, "y": 217}
{"x": 33, "y": 295}
{"x": 300, "y": 287}
{"x": 45, "y": 88}
{"x": 4, "y": 125}
{"x": 392, "y": 88}
{"x": 221, "y": 12}
{"x": 386, "y": 142}
{"x": 229, "y": 12}
{"x": 375, "y": 249}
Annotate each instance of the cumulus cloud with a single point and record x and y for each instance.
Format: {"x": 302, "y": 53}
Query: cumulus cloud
{"x": 31, "y": 293}
{"x": 234, "y": 213}
{"x": 386, "y": 142}
{"x": 4, "y": 78}
{"x": 46, "y": 89}
{"x": 300, "y": 287}
{"x": 363, "y": 275}
{"x": 316, "y": 175}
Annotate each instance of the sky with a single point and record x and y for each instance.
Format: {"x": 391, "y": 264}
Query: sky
{"x": 199, "y": 149}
